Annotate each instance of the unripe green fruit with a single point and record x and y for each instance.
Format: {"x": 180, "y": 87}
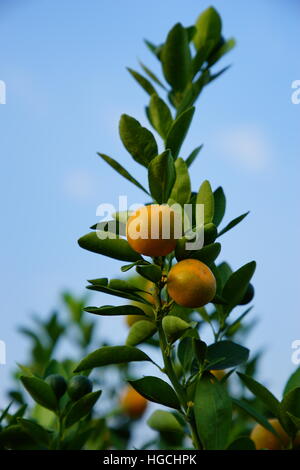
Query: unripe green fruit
{"x": 58, "y": 384}
{"x": 174, "y": 327}
{"x": 78, "y": 386}
{"x": 249, "y": 294}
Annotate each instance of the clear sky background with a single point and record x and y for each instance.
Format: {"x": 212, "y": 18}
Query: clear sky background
{"x": 63, "y": 63}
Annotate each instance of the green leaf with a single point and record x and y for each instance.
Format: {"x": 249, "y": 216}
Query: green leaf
{"x": 160, "y": 115}
{"x": 108, "y": 355}
{"x": 226, "y": 47}
{"x": 231, "y": 328}
{"x": 185, "y": 353}
{"x": 138, "y": 140}
{"x": 208, "y": 254}
{"x": 206, "y": 196}
{"x": 242, "y": 443}
{"x": 121, "y": 170}
{"x": 99, "y": 285}
{"x": 152, "y": 272}
{"x": 81, "y": 408}
{"x": 200, "y": 350}
{"x": 152, "y": 76}
{"x": 270, "y": 402}
{"x": 202, "y": 55}
{"x": 178, "y": 131}
{"x": 161, "y": 175}
{"x": 111, "y": 246}
{"x": 290, "y": 405}
{"x": 145, "y": 84}
{"x": 156, "y": 50}
{"x": 293, "y": 382}
{"x": 233, "y": 223}
{"x": 40, "y": 391}
{"x": 181, "y": 191}
{"x": 157, "y": 391}
{"x": 225, "y": 272}
{"x": 236, "y": 286}
{"x": 110, "y": 310}
{"x": 190, "y": 159}
{"x": 139, "y": 332}
{"x": 165, "y": 422}
{"x": 220, "y": 205}
{"x": 229, "y": 353}
{"x": 209, "y": 27}
{"x": 193, "y": 91}
{"x": 176, "y": 58}
{"x": 4, "y": 412}
{"x": 37, "y": 432}
{"x": 213, "y": 413}
{"x": 254, "y": 414}
{"x": 174, "y": 327}
{"x": 112, "y": 226}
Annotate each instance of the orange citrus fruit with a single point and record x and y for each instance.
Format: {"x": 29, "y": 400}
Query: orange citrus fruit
{"x": 264, "y": 439}
{"x": 191, "y": 283}
{"x": 132, "y": 403}
{"x": 151, "y": 230}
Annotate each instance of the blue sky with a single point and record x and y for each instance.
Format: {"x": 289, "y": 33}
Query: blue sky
{"x": 64, "y": 67}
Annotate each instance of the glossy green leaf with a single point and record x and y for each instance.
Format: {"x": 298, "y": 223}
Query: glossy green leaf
{"x": 174, "y": 327}
{"x": 259, "y": 418}
{"x": 236, "y": 286}
{"x": 108, "y": 355}
{"x": 138, "y": 140}
{"x": 227, "y": 353}
{"x": 181, "y": 191}
{"x": 206, "y": 196}
{"x": 293, "y": 382}
{"x": 152, "y": 272}
{"x": 213, "y": 413}
{"x": 110, "y": 246}
{"x": 185, "y": 352}
{"x": 208, "y": 254}
{"x": 110, "y": 310}
{"x": 226, "y": 47}
{"x": 152, "y": 75}
{"x": 157, "y": 391}
{"x": 176, "y": 58}
{"x": 220, "y": 205}
{"x": 160, "y": 115}
{"x": 233, "y": 223}
{"x": 161, "y": 175}
{"x": 178, "y": 131}
{"x": 225, "y": 272}
{"x": 290, "y": 405}
{"x": 193, "y": 91}
{"x": 261, "y": 392}
{"x": 145, "y": 84}
{"x": 139, "y": 332}
{"x": 99, "y": 285}
{"x": 209, "y": 27}
{"x": 81, "y": 408}
{"x": 121, "y": 170}
{"x": 193, "y": 155}
{"x": 165, "y": 422}
{"x": 200, "y": 350}
{"x": 40, "y": 391}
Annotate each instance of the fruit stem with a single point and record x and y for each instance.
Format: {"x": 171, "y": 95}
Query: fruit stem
{"x": 179, "y": 389}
